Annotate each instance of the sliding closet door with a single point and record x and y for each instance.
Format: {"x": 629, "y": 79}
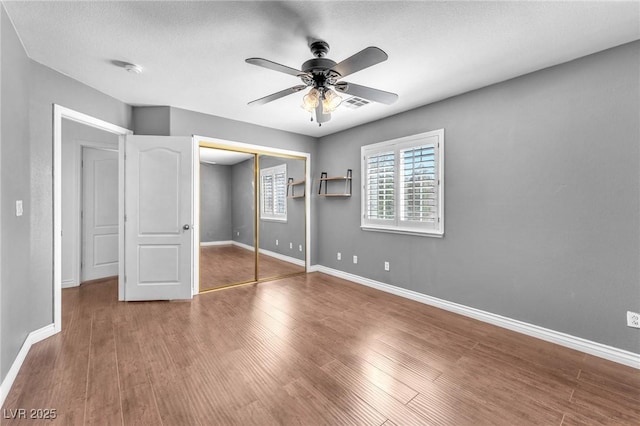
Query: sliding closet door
{"x": 281, "y": 216}
{"x": 227, "y": 218}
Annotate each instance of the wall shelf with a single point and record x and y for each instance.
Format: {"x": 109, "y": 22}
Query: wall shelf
{"x": 326, "y": 179}
{"x": 291, "y": 184}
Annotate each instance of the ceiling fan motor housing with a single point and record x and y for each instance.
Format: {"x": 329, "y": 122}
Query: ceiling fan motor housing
{"x": 320, "y": 70}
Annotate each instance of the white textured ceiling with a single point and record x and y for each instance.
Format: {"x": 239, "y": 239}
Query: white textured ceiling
{"x": 193, "y": 53}
{"x": 222, "y": 157}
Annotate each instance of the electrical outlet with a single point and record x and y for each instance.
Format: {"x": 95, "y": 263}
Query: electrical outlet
{"x": 276, "y": 242}
{"x": 238, "y": 234}
{"x": 339, "y": 256}
{"x": 300, "y": 247}
{"x": 19, "y": 209}
{"x": 386, "y": 266}
{"x": 291, "y": 246}
{"x": 633, "y": 319}
{"x": 355, "y": 259}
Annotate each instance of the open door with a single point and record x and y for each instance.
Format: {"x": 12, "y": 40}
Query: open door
{"x": 158, "y": 193}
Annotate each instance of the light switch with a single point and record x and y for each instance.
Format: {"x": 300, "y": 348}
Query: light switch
{"x": 19, "y": 209}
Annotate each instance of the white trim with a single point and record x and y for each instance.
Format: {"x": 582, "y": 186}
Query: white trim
{"x": 268, "y": 150}
{"x": 620, "y": 356}
{"x": 216, "y": 243}
{"x": 60, "y": 112}
{"x": 32, "y": 338}
{"x": 282, "y": 257}
{"x": 314, "y": 268}
{"x": 243, "y": 245}
{"x": 270, "y": 253}
{"x": 70, "y": 283}
{"x": 195, "y": 217}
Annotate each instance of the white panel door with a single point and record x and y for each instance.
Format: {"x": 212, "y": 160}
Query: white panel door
{"x": 99, "y": 213}
{"x": 158, "y": 217}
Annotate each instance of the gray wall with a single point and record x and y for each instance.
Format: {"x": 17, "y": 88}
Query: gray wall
{"x": 15, "y": 285}
{"x": 215, "y": 203}
{"x": 293, "y": 229}
{"x": 542, "y": 200}
{"x": 242, "y": 202}
{"x": 29, "y": 91}
{"x": 151, "y": 120}
{"x": 74, "y": 136}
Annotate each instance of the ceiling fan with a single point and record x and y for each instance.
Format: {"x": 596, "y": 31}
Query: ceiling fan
{"x": 323, "y": 75}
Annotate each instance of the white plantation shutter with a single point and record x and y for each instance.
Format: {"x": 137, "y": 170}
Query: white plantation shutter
{"x": 381, "y": 186}
{"x": 267, "y": 194}
{"x": 418, "y": 184}
{"x": 273, "y": 193}
{"x": 280, "y": 193}
{"x": 403, "y": 185}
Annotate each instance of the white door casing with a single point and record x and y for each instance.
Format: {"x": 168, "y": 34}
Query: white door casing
{"x": 99, "y": 213}
{"x": 158, "y": 218}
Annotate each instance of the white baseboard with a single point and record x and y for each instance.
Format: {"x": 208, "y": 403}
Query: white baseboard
{"x": 69, "y": 283}
{"x": 282, "y": 257}
{"x": 215, "y": 243}
{"x": 620, "y": 356}
{"x": 270, "y": 253}
{"x": 32, "y": 338}
{"x": 242, "y": 245}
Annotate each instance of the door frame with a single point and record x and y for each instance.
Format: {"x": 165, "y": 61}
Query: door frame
{"x": 60, "y": 113}
{"x": 254, "y": 149}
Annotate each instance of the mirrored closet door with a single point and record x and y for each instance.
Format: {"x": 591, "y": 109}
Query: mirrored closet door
{"x": 281, "y": 221}
{"x": 227, "y": 218}
{"x": 252, "y": 217}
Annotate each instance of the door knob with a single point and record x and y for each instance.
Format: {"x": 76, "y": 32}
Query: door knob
{"x": 185, "y": 227}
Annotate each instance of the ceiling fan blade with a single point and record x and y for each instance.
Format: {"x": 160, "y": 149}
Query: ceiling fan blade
{"x": 320, "y": 116}
{"x": 361, "y": 60}
{"x": 265, "y": 63}
{"x": 367, "y": 93}
{"x": 277, "y": 95}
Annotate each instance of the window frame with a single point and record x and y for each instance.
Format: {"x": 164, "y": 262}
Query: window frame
{"x": 397, "y": 225}
{"x": 273, "y": 172}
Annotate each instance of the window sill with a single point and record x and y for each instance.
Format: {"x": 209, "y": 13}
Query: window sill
{"x": 273, "y": 219}
{"x": 405, "y": 231}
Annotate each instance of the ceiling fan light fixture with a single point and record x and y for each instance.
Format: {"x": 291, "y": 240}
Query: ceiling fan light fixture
{"x": 330, "y": 102}
{"x": 311, "y": 100}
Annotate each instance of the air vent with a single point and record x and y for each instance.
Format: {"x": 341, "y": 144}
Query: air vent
{"x": 355, "y": 102}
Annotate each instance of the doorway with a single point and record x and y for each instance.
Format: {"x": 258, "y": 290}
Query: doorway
{"x": 62, "y": 115}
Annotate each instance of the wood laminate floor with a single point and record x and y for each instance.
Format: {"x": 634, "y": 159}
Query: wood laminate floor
{"x": 310, "y": 350}
{"x": 223, "y": 265}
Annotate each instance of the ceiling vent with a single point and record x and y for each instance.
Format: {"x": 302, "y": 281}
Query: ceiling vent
{"x": 355, "y": 102}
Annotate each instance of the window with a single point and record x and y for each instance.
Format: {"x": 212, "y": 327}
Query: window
{"x": 403, "y": 185}
{"x": 273, "y": 193}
